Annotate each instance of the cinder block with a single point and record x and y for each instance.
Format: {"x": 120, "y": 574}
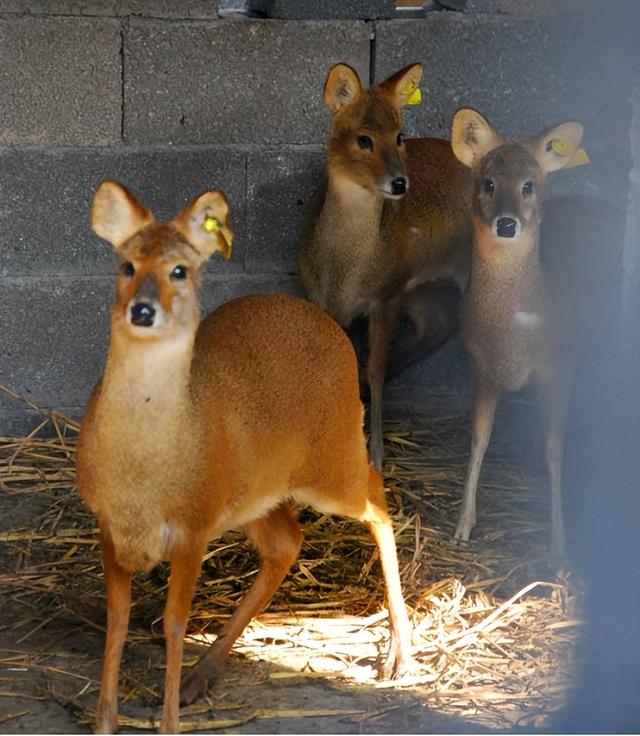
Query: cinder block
{"x": 439, "y": 382}
{"x": 46, "y": 198}
{"x": 60, "y": 82}
{"x": 324, "y": 9}
{"x": 116, "y": 8}
{"x": 282, "y": 189}
{"x": 523, "y": 75}
{"x": 55, "y": 332}
{"x": 236, "y": 81}
{"x": 54, "y": 336}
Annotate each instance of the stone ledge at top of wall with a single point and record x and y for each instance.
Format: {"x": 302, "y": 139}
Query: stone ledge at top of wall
{"x": 537, "y": 8}
{"x": 234, "y": 81}
{"x": 325, "y": 9}
{"x": 114, "y": 8}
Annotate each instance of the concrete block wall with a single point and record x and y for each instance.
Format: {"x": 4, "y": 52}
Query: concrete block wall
{"x": 172, "y": 100}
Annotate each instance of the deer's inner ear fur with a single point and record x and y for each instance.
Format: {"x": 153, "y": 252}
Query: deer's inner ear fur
{"x": 342, "y": 87}
{"x": 116, "y": 214}
{"x": 472, "y": 137}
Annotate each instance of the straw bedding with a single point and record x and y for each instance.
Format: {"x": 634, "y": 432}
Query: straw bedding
{"x": 496, "y": 627}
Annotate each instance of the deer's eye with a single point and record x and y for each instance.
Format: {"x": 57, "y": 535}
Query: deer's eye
{"x": 488, "y": 186}
{"x": 179, "y": 273}
{"x": 527, "y": 188}
{"x": 400, "y": 139}
{"x": 128, "y": 269}
{"x": 365, "y": 142}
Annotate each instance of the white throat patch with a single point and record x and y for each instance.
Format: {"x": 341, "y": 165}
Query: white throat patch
{"x": 531, "y": 320}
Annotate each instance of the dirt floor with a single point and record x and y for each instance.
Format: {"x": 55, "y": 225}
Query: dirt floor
{"x": 252, "y": 697}
{"x": 496, "y": 625}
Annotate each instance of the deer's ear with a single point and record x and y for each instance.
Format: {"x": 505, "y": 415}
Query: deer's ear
{"x": 399, "y": 87}
{"x": 555, "y": 147}
{"x": 342, "y": 87}
{"x": 203, "y": 222}
{"x": 116, "y": 214}
{"x": 472, "y": 136}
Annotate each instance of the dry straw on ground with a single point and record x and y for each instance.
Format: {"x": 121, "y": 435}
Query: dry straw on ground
{"x": 495, "y": 628}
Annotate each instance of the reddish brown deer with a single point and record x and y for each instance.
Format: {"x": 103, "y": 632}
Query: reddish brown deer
{"x": 517, "y": 321}
{"x": 199, "y": 427}
{"x": 393, "y": 232}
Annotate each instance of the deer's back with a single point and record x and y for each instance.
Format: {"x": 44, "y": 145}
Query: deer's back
{"x": 431, "y": 227}
{"x": 278, "y": 378}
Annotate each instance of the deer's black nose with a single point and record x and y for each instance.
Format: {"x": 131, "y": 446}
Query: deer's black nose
{"x": 506, "y": 227}
{"x": 142, "y": 315}
{"x": 398, "y": 185}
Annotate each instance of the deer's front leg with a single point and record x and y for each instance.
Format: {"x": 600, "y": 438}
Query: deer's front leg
{"x": 118, "y": 584}
{"x": 185, "y": 568}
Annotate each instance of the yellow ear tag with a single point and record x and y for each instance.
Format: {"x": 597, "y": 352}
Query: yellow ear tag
{"x": 412, "y": 91}
{"x": 561, "y": 146}
{"x": 228, "y": 239}
{"x": 408, "y": 88}
{"x": 211, "y": 224}
{"x": 580, "y": 158}
{"x": 416, "y": 98}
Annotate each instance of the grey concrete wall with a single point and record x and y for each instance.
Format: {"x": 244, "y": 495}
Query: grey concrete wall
{"x": 171, "y": 100}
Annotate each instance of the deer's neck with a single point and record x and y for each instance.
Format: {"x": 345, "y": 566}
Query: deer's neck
{"x": 352, "y": 210}
{"x": 345, "y": 248}
{"x": 507, "y": 275}
{"x": 146, "y": 382}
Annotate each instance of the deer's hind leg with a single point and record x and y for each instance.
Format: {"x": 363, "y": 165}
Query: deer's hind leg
{"x": 365, "y": 501}
{"x": 277, "y": 538}
{"x": 376, "y": 516}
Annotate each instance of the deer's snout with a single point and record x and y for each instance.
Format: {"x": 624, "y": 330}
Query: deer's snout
{"x": 142, "y": 314}
{"x": 506, "y": 227}
{"x": 393, "y": 186}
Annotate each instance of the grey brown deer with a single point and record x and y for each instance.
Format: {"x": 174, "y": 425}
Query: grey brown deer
{"x": 393, "y": 231}
{"x": 199, "y": 427}
{"x": 517, "y": 320}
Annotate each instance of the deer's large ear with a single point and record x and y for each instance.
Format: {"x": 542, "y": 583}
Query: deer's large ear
{"x": 399, "y": 87}
{"x": 116, "y": 214}
{"x": 472, "y": 137}
{"x": 555, "y": 147}
{"x": 203, "y": 222}
{"x": 342, "y": 87}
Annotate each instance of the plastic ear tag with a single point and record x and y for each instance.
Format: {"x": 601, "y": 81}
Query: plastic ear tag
{"x": 227, "y": 236}
{"x": 580, "y": 158}
{"x": 408, "y": 88}
{"x": 211, "y": 224}
{"x": 561, "y": 146}
{"x": 416, "y": 97}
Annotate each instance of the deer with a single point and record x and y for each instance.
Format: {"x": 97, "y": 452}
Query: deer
{"x": 391, "y": 233}
{"x": 518, "y": 320}
{"x": 197, "y": 427}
